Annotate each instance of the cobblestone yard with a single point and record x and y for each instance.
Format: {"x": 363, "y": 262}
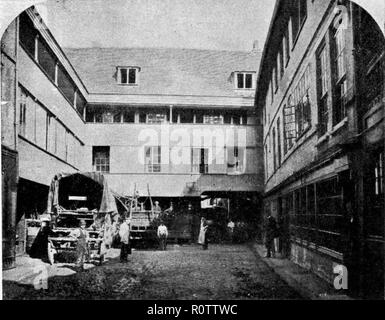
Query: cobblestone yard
{"x": 181, "y": 272}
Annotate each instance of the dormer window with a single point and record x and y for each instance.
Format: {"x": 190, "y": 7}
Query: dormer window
{"x": 244, "y": 80}
{"x": 128, "y": 75}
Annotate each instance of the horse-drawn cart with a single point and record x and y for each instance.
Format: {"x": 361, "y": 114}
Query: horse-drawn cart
{"x": 61, "y": 240}
{"x": 88, "y": 199}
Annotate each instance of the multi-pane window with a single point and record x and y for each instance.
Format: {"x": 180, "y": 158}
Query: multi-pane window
{"x": 289, "y": 124}
{"x": 302, "y": 103}
{"x": 212, "y": 118}
{"x": 128, "y": 75}
{"x": 323, "y": 81}
{"x": 297, "y": 112}
{"x": 101, "y": 159}
{"x": 315, "y": 214}
{"x": 156, "y": 117}
{"x": 39, "y": 126}
{"x": 199, "y": 160}
{"x": 235, "y": 159}
{"x": 35, "y": 45}
{"x": 152, "y": 159}
{"x": 339, "y": 81}
{"x": 108, "y": 117}
{"x": 244, "y": 80}
{"x": 329, "y": 197}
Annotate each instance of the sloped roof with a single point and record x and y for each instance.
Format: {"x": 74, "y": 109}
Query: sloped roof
{"x": 164, "y": 71}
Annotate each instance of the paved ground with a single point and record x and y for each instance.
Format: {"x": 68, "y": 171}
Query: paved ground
{"x": 182, "y": 272}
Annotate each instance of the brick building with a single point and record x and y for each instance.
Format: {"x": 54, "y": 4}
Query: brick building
{"x": 179, "y": 121}
{"x": 321, "y": 89}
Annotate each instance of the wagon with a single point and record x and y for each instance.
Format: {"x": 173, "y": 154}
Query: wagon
{"x": 76, "y": 197}
{"x": 60, "y": 241}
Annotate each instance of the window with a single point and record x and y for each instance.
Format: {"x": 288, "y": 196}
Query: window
{"x": 142, "y": 116}
{"x": 315, "y": 214}
{"x": 375, "y": 194}
{"x": 279, "y": 152}
{"x": 41, "y": 126}
{"x": 65, "y": 85}
{"x": 80, "y": 103}
{"x": 302, "y": 103}
{"x": 108, "y": 117}
{"x": 298, "y": 17}
{"x": 61, "y": 144}
{"x": 186, "y": 116}
{"x": 128, "y": 116}
{"x": 101, "y": 159}
{"x": 281, "y": 63}
{"x": 199, "y": 160}
{"x": 117, "y": 116}
{"x": 27, "y": 34}
{"x": 286, "y": 44}
{"x": 156, "y": 117}
{"x": 297, "y": 112}
{"x": 339, "y": 81}
{"x": 275, "y": 79}
{"x": 153, "y": 159}
{"x": 329, "y": 197}
{"x": 289, "y": 124}
{"x": 323, "y": 85}
{"x": 227, "y": 118}
{"x": 379, "y": 174}
{"x": 46, "y": 59}
{"x": 244, "y": 81}
{"x": 23, "y": 111}
{"x": 128, "y": 75}
{"x": 235, "y": 159}
{"x": 212, "y": 118}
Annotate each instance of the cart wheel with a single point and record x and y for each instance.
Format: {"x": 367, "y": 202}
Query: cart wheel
{"x": 51, "y": 253}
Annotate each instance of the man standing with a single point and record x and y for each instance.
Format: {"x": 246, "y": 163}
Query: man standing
{"x": 162, "y": 235}
{"x": 202, "y": 238}
{"x": 81, "y": 246}
{"x": 124, "y": 233}
{"x": 231, "y": 226}
{"x": 271, "y": 233}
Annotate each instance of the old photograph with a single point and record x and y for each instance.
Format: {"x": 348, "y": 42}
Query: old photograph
{"x": 192, "y": 150}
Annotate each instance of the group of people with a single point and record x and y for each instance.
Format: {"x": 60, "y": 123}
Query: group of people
{"x": 162, "y": 234}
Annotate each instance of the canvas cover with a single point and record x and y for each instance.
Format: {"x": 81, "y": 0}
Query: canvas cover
{"x": 108, "y": 203}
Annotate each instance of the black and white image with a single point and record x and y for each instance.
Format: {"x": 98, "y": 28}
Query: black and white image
{"x": 192, "y": 150}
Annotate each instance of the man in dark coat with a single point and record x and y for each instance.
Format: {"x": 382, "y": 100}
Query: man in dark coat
{"x": 271, "y": 233}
